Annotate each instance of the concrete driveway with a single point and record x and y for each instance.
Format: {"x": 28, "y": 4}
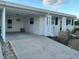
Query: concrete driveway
{"x": 29, "y": 46}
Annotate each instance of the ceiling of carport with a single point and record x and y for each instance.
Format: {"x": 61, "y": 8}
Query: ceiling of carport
{"x": 12, "y": 11}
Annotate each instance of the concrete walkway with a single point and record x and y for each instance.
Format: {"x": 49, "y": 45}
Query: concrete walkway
{"x": 28, "y": 46}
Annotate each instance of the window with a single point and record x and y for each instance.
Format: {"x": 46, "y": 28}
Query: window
{"x": 31, "y": 20}
{"x": 72, "y": 21}
{"x": 56, "y": 21}
{"x": 68, "y": 21}
{"x": 9, "y": 21}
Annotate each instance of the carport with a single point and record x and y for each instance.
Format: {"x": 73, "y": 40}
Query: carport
{"x": 18, "y": 20}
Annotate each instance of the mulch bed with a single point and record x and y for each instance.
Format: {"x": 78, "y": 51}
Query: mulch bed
{"x": 7, "y": 50}
{"x": 58, "y": 40}
{"x": 72, "y": 42}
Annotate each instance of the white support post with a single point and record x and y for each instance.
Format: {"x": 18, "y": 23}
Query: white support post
{"x": 3, "y": 24}
{"x": 48, "y": 25}
{"x": 45, "y": 33}
{"x": 64, "y": 26}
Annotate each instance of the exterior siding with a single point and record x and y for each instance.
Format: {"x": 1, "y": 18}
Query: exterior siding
{"x": 65, "y": 27}
{"x": 57, "y": 28}
{"x": 33, "y": 28}
{"x": 40, "y": 26}
{"x": 16, "y": 25}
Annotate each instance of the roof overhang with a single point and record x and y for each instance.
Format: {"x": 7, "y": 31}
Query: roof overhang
{"x": 23, "y": 7}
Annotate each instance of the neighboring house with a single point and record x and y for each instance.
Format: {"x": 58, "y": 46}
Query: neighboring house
{"x": 20, "y": 18}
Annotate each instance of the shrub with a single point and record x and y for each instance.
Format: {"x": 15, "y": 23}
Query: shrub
{"x": 64, "y": 37}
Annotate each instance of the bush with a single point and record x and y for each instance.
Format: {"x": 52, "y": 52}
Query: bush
{"x": 64, "y": 37}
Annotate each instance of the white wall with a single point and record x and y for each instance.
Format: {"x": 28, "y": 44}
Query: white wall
{"x": 36, "y": 28}
{"x": 42, "y": 25}
{"x": 16, "y": 25}
{"x": 65, "y": 27}
{"x": 56, "y": 28}
{"x": 39, "y": 27}
{"x": 48, "y": 25}
{"x": 33, "y": 28}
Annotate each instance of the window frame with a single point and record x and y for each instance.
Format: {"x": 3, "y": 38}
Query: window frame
{"x": 68, "y": 21}
{"x": 31, "y": 20}
{"x": 56, "y": 20}
{"x": 9, "y": 21}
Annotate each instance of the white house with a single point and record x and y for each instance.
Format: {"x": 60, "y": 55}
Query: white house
{"x": 20, "y": 18}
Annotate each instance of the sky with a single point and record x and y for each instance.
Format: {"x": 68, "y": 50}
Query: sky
{"x": 67, "y": 6}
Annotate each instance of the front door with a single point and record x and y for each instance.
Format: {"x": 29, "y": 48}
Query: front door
{"x": 60, "y": 25}
{"x": 9, "y": 25}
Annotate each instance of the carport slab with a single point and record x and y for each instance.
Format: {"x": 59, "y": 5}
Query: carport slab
{"x": 39, "y": 47}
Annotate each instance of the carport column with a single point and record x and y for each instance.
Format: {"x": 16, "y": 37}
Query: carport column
{"x": 3, "y": 24}
{"x": 64, "y": 26}
{"x": 48, "y": 25}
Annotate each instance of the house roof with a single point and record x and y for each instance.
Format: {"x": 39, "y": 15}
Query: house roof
{"x": 14, "y": 5}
